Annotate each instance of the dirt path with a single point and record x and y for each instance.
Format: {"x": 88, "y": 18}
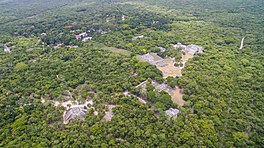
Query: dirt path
{"x": 126, "y": 93}
{"x": 142, "y": 83}
{"x": 242, "y": 43}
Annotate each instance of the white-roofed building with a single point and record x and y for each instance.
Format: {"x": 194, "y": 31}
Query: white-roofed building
{"x": 87, "y": 39}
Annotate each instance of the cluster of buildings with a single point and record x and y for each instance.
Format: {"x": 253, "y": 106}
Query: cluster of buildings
{"x": 83, "y": 36}
{"x": 190, "y": 49}
{"x": 172, "y": 112}
{"x": 158, "y": 87}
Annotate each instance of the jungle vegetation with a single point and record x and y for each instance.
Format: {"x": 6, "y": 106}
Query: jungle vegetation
{"x": 223, "y": 87}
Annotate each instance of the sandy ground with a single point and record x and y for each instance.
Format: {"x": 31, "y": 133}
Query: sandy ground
{"x": 72, "y": 104}
{"x": 170, "y": 69}
{"x": 186, "y": 57}
{"x": 177, "y": 96}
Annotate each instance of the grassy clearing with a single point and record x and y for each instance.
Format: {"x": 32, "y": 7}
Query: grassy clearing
{"x": 117, "y": 50}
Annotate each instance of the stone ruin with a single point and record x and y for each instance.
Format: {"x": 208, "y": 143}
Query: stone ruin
{"x": 161, "y": 87}
{"x": 74, "y": 113}
{"x": 190, "y": 49}
{"x": 172, "y": 112}
{"x": 153, "y": 59}
{"x": 193, "y": 49}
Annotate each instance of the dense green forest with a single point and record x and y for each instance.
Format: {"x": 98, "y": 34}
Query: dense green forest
{"x": 42, "y": 58}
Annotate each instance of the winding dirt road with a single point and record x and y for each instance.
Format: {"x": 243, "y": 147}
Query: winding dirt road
{"x": 242, "y": 43}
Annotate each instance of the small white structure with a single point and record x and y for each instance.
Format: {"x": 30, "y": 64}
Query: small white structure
{"x": 6, "y": 49}
{"x": 87, "y": 39}
{"x": 179, "y": 45}
{"x": 123, "y": 17}
{"x": 81, "y": 35}
{"x": 72, "y": 46}
{"x": 43, "y": 34}
{"x": 107, "y": 20}
{"x": 84, "y": 34}
{"x": 138, "y": 37}
{"x": 162, "y": 49}
{"x": 57, "y": 46}
{"x": 172, "y": 112}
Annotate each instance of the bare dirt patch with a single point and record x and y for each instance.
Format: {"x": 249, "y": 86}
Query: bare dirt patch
{"x": 109, "y": 114}
{"x": 177, "y": 96}
{"x": 170, "y": 69}
{"x": 186, "y": 57}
